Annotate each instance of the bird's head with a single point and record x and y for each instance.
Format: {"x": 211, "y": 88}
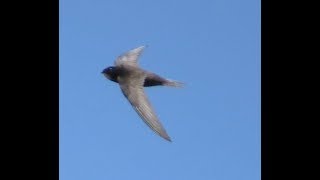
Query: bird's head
{"x": 110, "y": 73}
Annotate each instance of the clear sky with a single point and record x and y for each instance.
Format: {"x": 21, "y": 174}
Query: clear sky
{"x": 214, "y": 121}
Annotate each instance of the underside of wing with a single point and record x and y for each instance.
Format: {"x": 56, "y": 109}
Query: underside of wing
{"x": 135, "y": 94}
{"x": 130, "y": 58}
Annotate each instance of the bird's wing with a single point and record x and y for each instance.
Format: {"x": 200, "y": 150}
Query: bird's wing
{"x": 129, "y": 58}
{"x": 132, "y": 88}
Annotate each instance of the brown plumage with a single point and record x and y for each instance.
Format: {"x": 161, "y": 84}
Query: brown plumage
{"x": 132, "y": 80}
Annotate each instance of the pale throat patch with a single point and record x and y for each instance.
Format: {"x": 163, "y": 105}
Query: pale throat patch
{"x": 107, "y": 76}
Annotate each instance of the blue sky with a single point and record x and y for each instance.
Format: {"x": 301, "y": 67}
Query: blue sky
{"x": 214, "y": 121}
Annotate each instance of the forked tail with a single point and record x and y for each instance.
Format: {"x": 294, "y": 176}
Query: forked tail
{"x": 173, "y": 83}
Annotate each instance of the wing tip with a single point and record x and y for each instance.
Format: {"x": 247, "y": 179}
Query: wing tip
{"x": 167, "y": 138}
{"x": 139, "y": 48}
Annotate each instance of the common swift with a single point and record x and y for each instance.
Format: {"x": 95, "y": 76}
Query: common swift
{"x": 132, "y": 79}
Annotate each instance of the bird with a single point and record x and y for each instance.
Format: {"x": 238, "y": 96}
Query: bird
{"x": 132, "y": 80}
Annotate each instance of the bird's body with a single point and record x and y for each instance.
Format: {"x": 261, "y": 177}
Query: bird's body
{"x": 151, "y": 79}
{"x": 132, "y": 79}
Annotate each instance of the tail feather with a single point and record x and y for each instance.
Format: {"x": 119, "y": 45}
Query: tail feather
{"x": 173, "y": 83}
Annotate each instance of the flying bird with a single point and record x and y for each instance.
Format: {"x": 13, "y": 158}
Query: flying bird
{"x": 132, "y": 79}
